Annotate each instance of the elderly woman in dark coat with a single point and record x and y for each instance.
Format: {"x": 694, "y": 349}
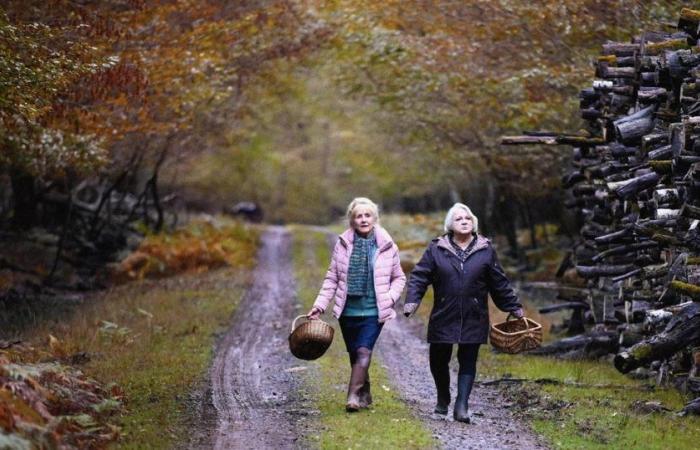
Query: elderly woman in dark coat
{"x": 463, "y": 269}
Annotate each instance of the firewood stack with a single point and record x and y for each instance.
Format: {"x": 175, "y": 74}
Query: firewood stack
{"x": 635, "y": 183}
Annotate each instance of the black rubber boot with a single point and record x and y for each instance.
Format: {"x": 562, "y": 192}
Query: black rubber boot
{"x": 464, "y": 389}
{"x": 440, "y": 355}
{"x": 442, "y": 385}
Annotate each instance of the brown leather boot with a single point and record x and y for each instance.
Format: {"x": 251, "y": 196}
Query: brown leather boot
{"x": 357, "y": 381}
{"x": 358, "y": 377}
{"x": 365, "y": 394}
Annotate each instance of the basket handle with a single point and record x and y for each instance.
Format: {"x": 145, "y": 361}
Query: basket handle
{"x": 294, "y": 322}
{"x": 510, "y": 314}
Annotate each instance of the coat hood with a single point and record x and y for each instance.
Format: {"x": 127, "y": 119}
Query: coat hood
{"x": 444, "y": 242}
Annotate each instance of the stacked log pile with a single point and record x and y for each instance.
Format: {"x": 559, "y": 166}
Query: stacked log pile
{"x": 635, "y": 183}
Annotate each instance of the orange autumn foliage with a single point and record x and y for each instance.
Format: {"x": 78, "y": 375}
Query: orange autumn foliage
{"x": 198, "y": 247}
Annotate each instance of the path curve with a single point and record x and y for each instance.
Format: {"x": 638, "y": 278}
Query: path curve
{"x": 256, "y": 396}
{"x": 404, "y": 353}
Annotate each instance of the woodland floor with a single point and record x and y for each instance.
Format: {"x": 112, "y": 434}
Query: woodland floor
{"x": 257, "y": 391}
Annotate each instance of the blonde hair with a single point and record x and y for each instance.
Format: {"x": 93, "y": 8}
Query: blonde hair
{"x": 362, "y": 201}
{"x": 451, "y": 213}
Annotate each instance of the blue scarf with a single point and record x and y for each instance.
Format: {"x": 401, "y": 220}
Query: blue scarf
{"x": 359, "y": 267}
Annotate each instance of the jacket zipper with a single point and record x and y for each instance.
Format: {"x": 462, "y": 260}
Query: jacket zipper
{"x": 461, "y": 320}
{"x": 374, "y": 280}
{"x": 461, "y": 307}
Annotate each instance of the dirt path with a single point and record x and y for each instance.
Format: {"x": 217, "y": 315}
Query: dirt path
{"x": 257, "y": 397}
{"x": 404, "y": 353}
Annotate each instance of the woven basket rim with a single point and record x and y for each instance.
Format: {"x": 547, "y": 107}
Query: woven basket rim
{"x": 536, "y": 327}
{"x": 318, "y": 322}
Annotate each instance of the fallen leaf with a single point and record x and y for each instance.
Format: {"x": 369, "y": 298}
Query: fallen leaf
{"x": 57, "y": 347}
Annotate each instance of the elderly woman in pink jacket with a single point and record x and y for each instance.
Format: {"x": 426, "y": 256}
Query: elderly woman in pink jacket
{"x": 364, "y": 280}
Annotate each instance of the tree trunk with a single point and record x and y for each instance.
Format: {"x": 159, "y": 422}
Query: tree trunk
{"x": 505, "y": 217}
{"x": 620, "y": 49}
{"x": 562, "y": 306}
{"x": 634, "y": 185}
{"x": 633, "y": 130}
{"x": 592, "y": 344}
{"x": 691, "y": 290}
{"x": 619, "y": 72}
{"x": 530, "y": 224}
{"x": 683, "y": 330}
{"x": 603, "y": 270}
{"x": 692, "y": 408}
{"x": 689, "y": 22}
{"x": 24, "y": 200}
{"x": 661, "y": 153}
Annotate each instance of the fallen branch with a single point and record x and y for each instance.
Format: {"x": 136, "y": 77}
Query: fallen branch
{"x": 553, "y": 381}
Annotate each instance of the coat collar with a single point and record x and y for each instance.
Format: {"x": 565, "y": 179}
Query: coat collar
{"x": 383, "y": 238}
{"x": 481, "y": 243}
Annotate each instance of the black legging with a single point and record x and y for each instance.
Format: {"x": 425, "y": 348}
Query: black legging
{"x": 440, "y": 355}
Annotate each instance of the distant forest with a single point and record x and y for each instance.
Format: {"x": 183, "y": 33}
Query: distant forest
{"x": 121, "y": 110}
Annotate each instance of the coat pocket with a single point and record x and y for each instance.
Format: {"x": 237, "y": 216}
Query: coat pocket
{"x": 441, "y": 309}
{"x": 480, "y": 309}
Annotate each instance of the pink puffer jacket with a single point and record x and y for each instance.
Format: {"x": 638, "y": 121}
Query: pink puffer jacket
{"x": 389, "y": 279}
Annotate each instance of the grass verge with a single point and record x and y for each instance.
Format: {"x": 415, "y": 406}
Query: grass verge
{"x": 389, "y": 423}
{"x": 594, "y": 407}
{"x": 155, "y": 340}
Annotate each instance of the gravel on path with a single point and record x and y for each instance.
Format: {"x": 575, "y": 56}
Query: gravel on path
{"x": 402, "y": 349}
{"x": 255, "y": 386}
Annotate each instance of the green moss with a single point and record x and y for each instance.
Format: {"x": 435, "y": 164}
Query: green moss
{"x": 661, "y": 166}
{"x": 690, "y": 14}
{"x": 659, "y": 47}
{"x": 641, "y": 352}
{"x": 688, "y": 289}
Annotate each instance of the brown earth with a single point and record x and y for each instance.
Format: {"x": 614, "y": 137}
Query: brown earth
{"x": 256, "y": 398}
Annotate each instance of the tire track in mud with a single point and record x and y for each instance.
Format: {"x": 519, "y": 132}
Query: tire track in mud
{"x": 258, "y": 400}
{"x": 404, "y": 353}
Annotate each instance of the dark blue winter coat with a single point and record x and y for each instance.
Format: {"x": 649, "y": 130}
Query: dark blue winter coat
{"x": 460, "y": 312}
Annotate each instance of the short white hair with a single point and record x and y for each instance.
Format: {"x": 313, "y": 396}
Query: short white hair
{"x": 451, "y": 214}
{"x": 364, "y": 202}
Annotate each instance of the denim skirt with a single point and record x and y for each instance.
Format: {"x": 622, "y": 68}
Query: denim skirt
{"x": 359, "y": 331}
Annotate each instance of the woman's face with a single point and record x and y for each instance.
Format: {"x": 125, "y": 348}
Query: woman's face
{"x": 363, "y": 220}
{"x": 462, "y": 223}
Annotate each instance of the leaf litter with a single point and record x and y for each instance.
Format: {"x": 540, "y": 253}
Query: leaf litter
{"x": 46, "y": 403}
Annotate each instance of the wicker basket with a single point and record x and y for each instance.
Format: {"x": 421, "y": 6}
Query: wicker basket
{"x": 311, "y": 339}
{"x": 515, "y": 336}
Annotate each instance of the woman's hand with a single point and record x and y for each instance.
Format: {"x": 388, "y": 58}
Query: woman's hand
{"x": 314, "y": 313}
{"x": 409, "y": 308}
{"x": 518, "y": 313}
